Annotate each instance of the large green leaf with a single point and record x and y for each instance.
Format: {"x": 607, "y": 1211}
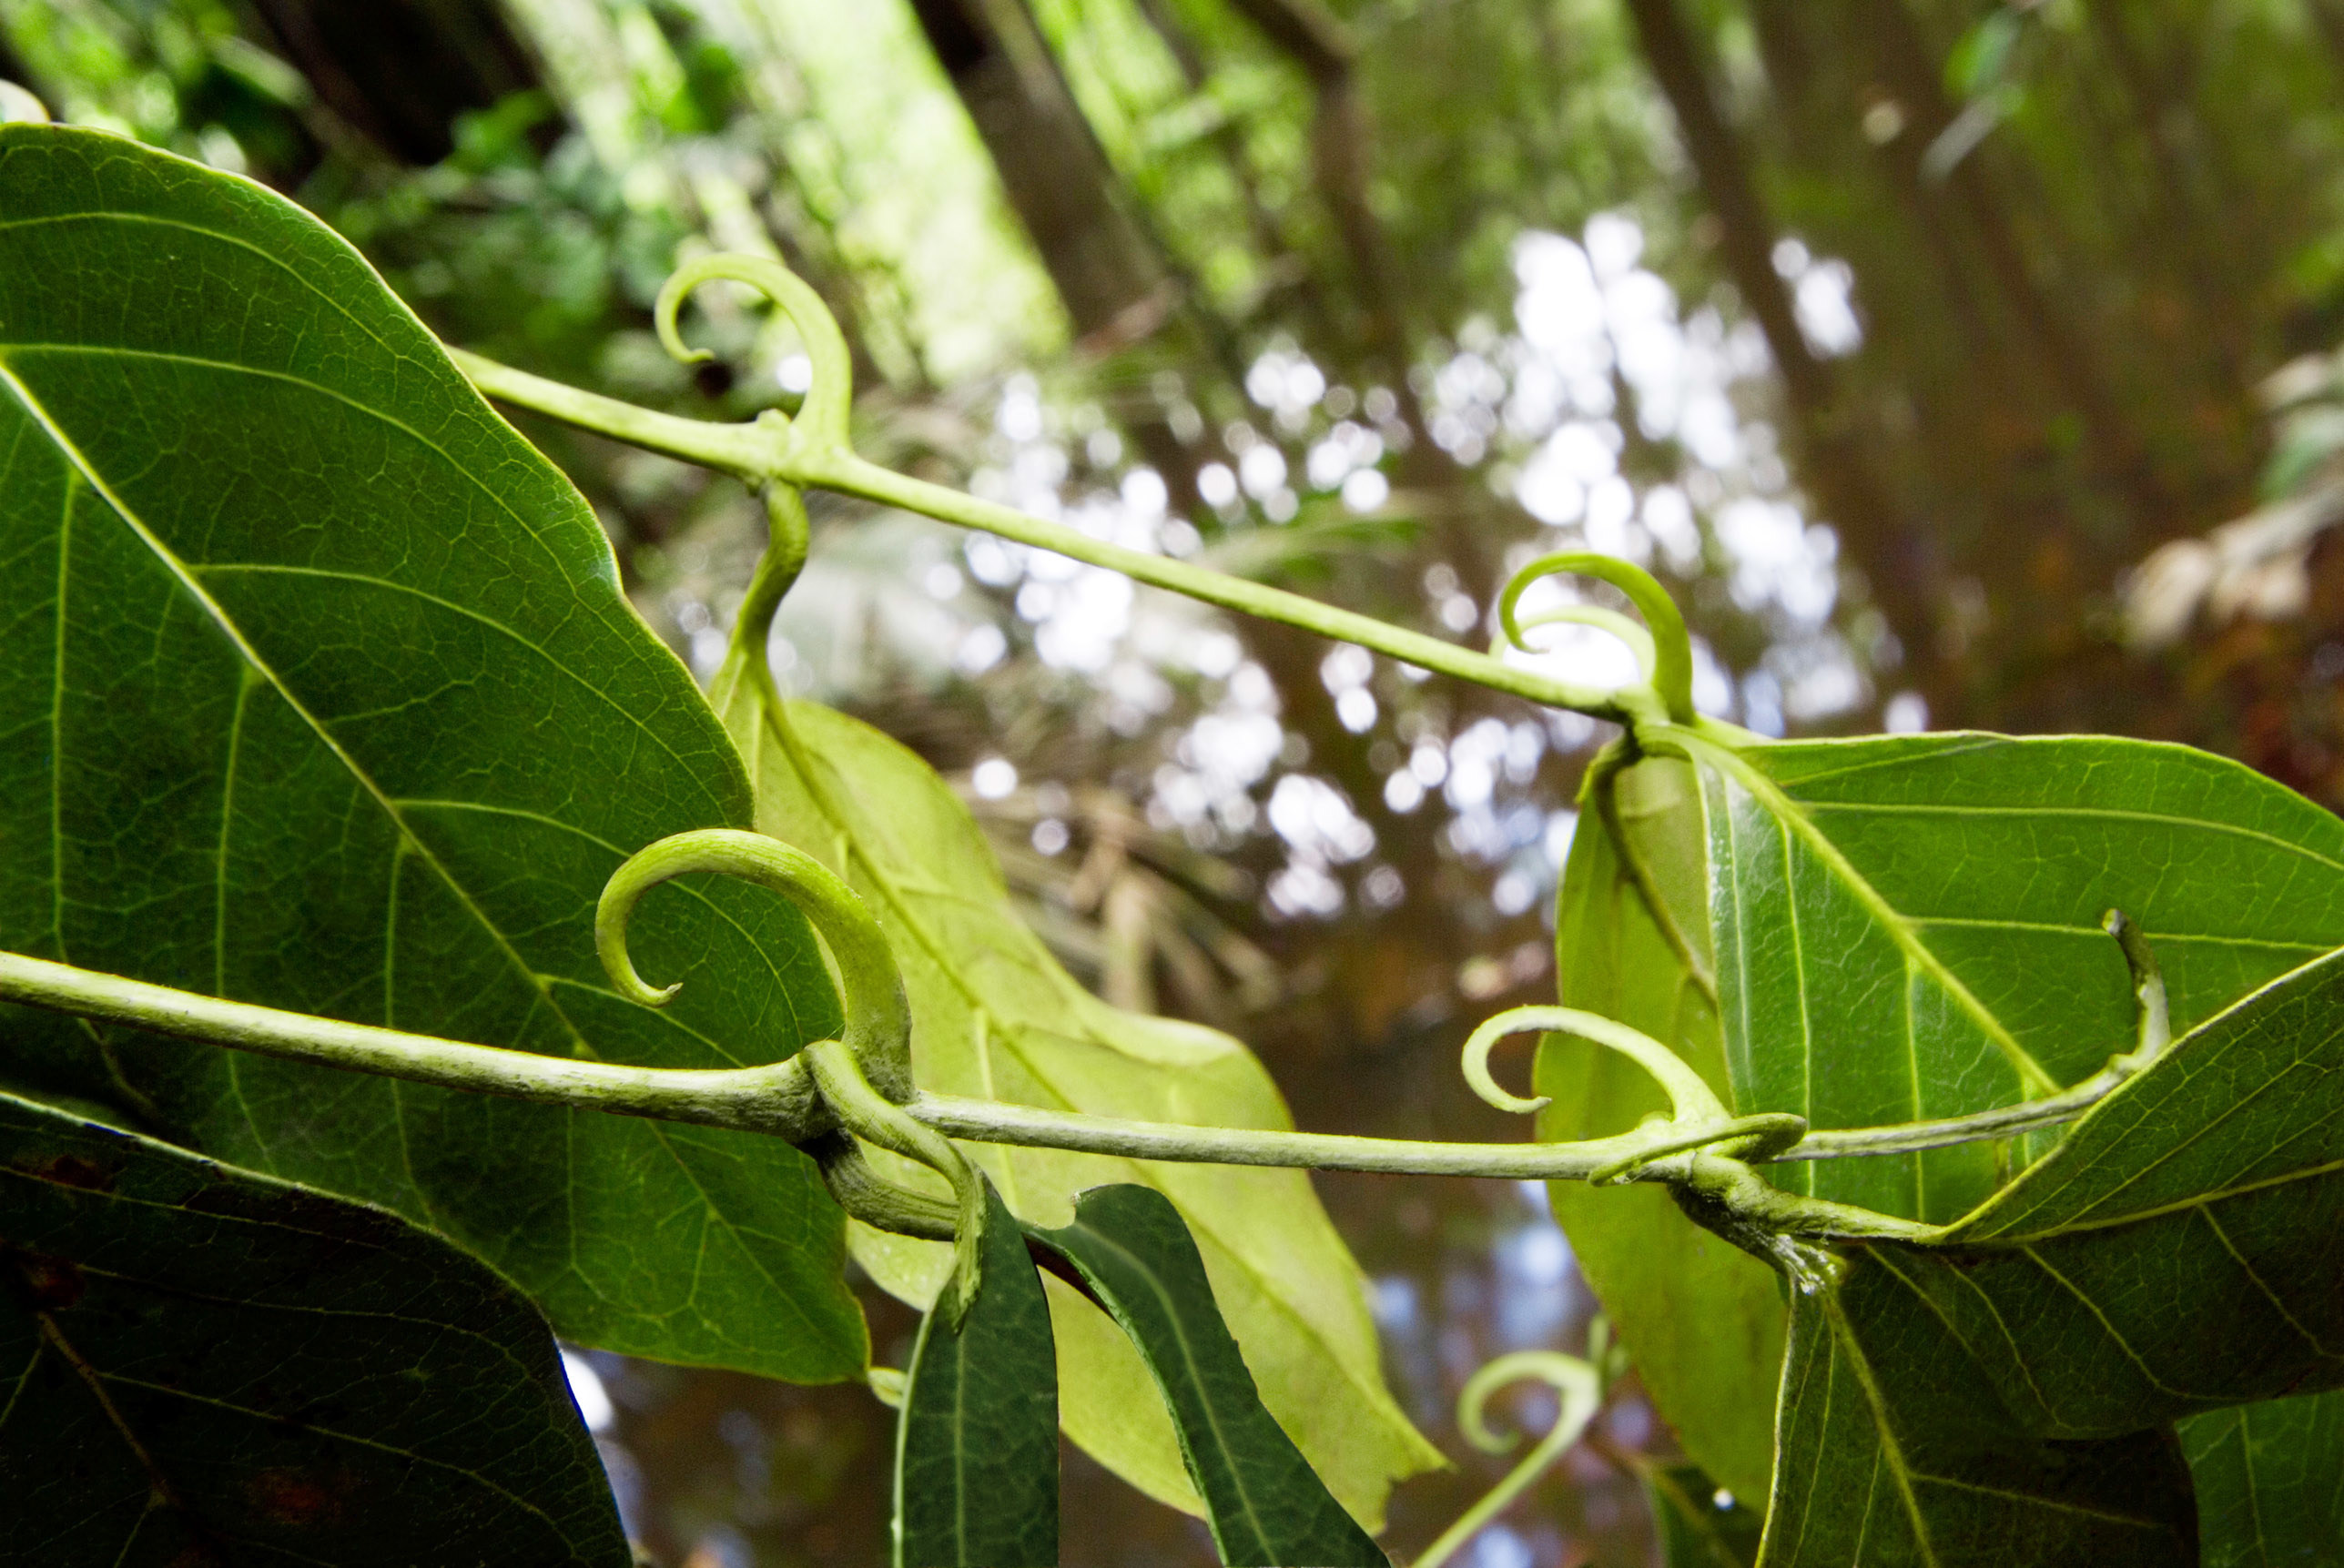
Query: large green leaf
{"x": 206, "y": 1365}
{"x": 318, "y": 691}
{"x": 1909, "y": 926}
{"x": 1702, "y": 1319}
{"x": 976, "y": 1444}
{"x": 1894, "y": 1451}
{"x": 1266, "y": 1505}
{"x": 995, "y": 1016}
{"x": 2175, "y": 1254}
{"x": 2271, "y": 1483}
{"x": 2178, "y": 1251}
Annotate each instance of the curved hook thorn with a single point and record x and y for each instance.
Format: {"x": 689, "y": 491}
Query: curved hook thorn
{"x": 1579, "y": 1387}
{"x": 1632, "y": 632}
{"x": 1672, "y": 663}
{"x": 822, "y": 416}
{"x": 1690, "y": 1100}
{"x": 878, "y": 1017}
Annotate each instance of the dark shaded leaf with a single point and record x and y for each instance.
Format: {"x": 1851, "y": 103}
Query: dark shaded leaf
{"x": 1266, "y": 1505}
{"x": 207, "y": 1366}
{"x": 1699, "y": 1526}
{"x": 1909, "y": 926}
{"x": 2179, "y": 1252}
{"x": 1702, "y": 1319}
{"x": 318, "y": 691}
{"x": 2015, "y": 1377}
{"x": 1895, "y": 1449}
{"x": 977, "y": 1454}
{"x": 2271, "y": 1481}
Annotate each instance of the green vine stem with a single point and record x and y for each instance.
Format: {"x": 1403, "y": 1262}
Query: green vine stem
{"x": 814, "y": 451}
{"x": 780, "y": 1099}
{"x": 1579, "y": 1388}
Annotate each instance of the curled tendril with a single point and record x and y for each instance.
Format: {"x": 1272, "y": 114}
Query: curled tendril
{"x": 1577, "y": 1383}
{"x": 821, "y": 419}
{"x": 865, "y": 1075}
{"x": 1690, "y": 1100}
{"x": 1628, "y": 630}
{"x": 1662, "y": 646}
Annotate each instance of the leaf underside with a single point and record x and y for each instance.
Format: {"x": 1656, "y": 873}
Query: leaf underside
{"x": 1909, "y": 926}
{"x": 2271, "y": 1481}
{"x": 1702, "y": 1319}
{"x": 317, "y": 689}
{"x": 1264, "y": 1504}
{"x": 995, "y": 1016}
{"x": 1697, "y": 1527}
{"x": 200, "y": 1364}
{"x": 2175, "y": 1254}
{"x": 977, "y": 1449}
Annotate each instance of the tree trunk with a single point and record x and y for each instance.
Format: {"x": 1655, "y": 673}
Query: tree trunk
{"x": 1900, "y": 558}
{"x": 400, "y": 71}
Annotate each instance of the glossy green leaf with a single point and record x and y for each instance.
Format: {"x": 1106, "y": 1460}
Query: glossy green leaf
{"x": 1895, "y": 1449}
{"x": 976, "y": 1443}
{"x": 995, "y": 1016}
{"x": 1699, "y": 1526}
{"x": 206, "y": 1365}
{"x": 1264, "y": 1504}
{"x": 2271, "y": 1481}
{"x": 2176, "y": 1253}
{"x": 318, "y": 691}
{"x": 1702, "y": 1319}
{"x": 2180, "y": 1250}
{"x": 1909, "y": 926}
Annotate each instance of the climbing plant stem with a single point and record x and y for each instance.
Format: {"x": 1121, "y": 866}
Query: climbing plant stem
{"x": 770, "y": 450}
{"x": 780, "y": 1099}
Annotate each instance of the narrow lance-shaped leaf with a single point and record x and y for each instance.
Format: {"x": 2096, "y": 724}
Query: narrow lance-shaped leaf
{"x": 1909, "y": 926}
{"x": 1264, "y": 1504}
{"x": 2271, "y": 1481}
{"x": 995, "y": 1016}
{"x": 317, "y": 689}
{"x": 206, "y": 1365}
{"x": 976, "y": 1480}
{"x": 1702, "y": 1319}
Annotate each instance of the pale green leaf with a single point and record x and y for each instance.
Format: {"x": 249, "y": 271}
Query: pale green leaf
{"x": 994, "y": 1017}
{"x": 1702, "y": 1319}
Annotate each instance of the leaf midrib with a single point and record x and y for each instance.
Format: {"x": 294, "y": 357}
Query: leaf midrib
{"x": 710, "y": 1212}
{"x": 1791, "y": 813}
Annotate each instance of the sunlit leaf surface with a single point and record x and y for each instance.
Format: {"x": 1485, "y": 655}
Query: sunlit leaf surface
{"x": 318, "y": 691}
{"x": 2016, "y": 1379}
{"x": 1909, "y": 926}
{"x": 995, "y": 1016}
{"x": 206, "y": 1365}
{"x": 1702, "y": 1319}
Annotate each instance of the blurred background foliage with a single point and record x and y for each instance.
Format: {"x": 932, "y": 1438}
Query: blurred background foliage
{"x": 1958, "y": 364}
